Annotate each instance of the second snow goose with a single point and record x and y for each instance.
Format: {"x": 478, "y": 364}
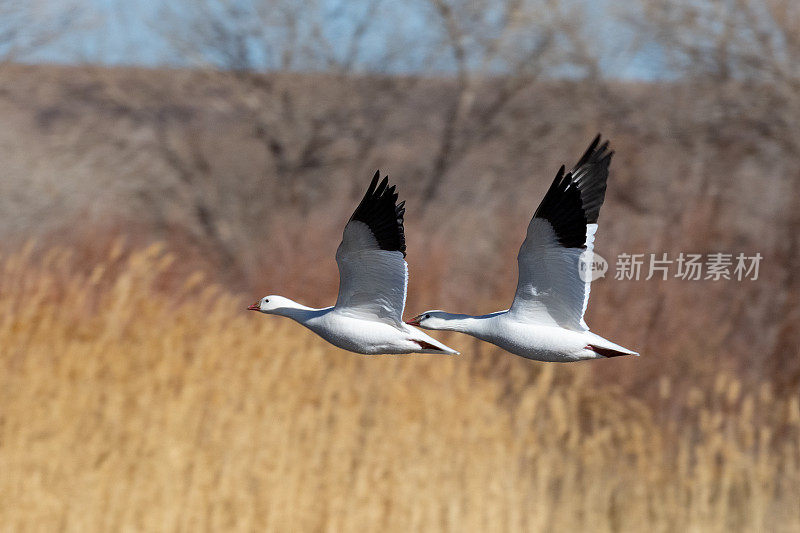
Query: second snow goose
{"x": 545, "y": 321}
{"x": 373, "y": 276}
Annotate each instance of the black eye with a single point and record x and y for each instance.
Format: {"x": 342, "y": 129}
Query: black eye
{"x": 266, "y": 301}
{"x": 427, "y": 316}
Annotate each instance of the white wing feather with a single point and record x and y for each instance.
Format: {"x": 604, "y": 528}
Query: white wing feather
{"x": 372, "y": 282}
{"x": 550, "y": 290}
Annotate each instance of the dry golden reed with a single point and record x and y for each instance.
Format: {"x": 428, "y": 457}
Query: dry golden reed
{"x": 131, "y": 404}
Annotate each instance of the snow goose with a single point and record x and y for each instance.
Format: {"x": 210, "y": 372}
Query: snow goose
{"x": 373, "y": 275}
{"x": 545, "y": 321}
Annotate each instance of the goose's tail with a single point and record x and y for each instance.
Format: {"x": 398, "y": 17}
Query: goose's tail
{"x": 428, "y": 344}
{"x": 606, "y": 348}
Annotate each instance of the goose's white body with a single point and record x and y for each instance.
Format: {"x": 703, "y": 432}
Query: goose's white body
{"x": 361, "y": 335}
{"x": 373, "y": 277}
{"x": 532, "y": 341}
{"x": 545, "y": 321}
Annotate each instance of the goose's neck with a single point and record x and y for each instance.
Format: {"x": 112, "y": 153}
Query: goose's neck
{"x": 462, "y": 323}
{"x": 298, "y": 312}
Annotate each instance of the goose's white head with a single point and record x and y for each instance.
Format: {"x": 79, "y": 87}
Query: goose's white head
{"x": 272, "y": 304}
{"x": 431, "y": 320}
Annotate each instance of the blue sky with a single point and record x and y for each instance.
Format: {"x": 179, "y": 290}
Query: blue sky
{"x": 119, "y": 32}
{"x": 111, "y": 32}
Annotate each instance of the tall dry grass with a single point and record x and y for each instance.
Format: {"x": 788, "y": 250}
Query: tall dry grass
{"x": 130, "y": 401}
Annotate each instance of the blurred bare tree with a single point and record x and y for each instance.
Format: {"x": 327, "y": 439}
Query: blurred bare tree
{"x": 745, "y": 56}
{"x": 321, "y": 98}
{"x": 262, "y": 44}
{"x": 498, "y": 50}
{"x": 494, "y": 49}
{"x": 251, "y": 38}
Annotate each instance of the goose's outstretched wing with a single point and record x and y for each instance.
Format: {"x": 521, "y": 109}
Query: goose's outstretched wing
{"x": 373, "y": 274}
{"x": 550, "y": 289}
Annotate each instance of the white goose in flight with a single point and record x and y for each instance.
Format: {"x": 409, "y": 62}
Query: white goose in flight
{"x": 545, "y": 321}
{"x": 373, "y": 276}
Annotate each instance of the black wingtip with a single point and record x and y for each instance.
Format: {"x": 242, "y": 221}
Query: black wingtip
{"x": 590, "y": 150}
{"x": 373, "y": 184}
{"x": 574, "y": 199}
{"x": 380, "y": 211}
